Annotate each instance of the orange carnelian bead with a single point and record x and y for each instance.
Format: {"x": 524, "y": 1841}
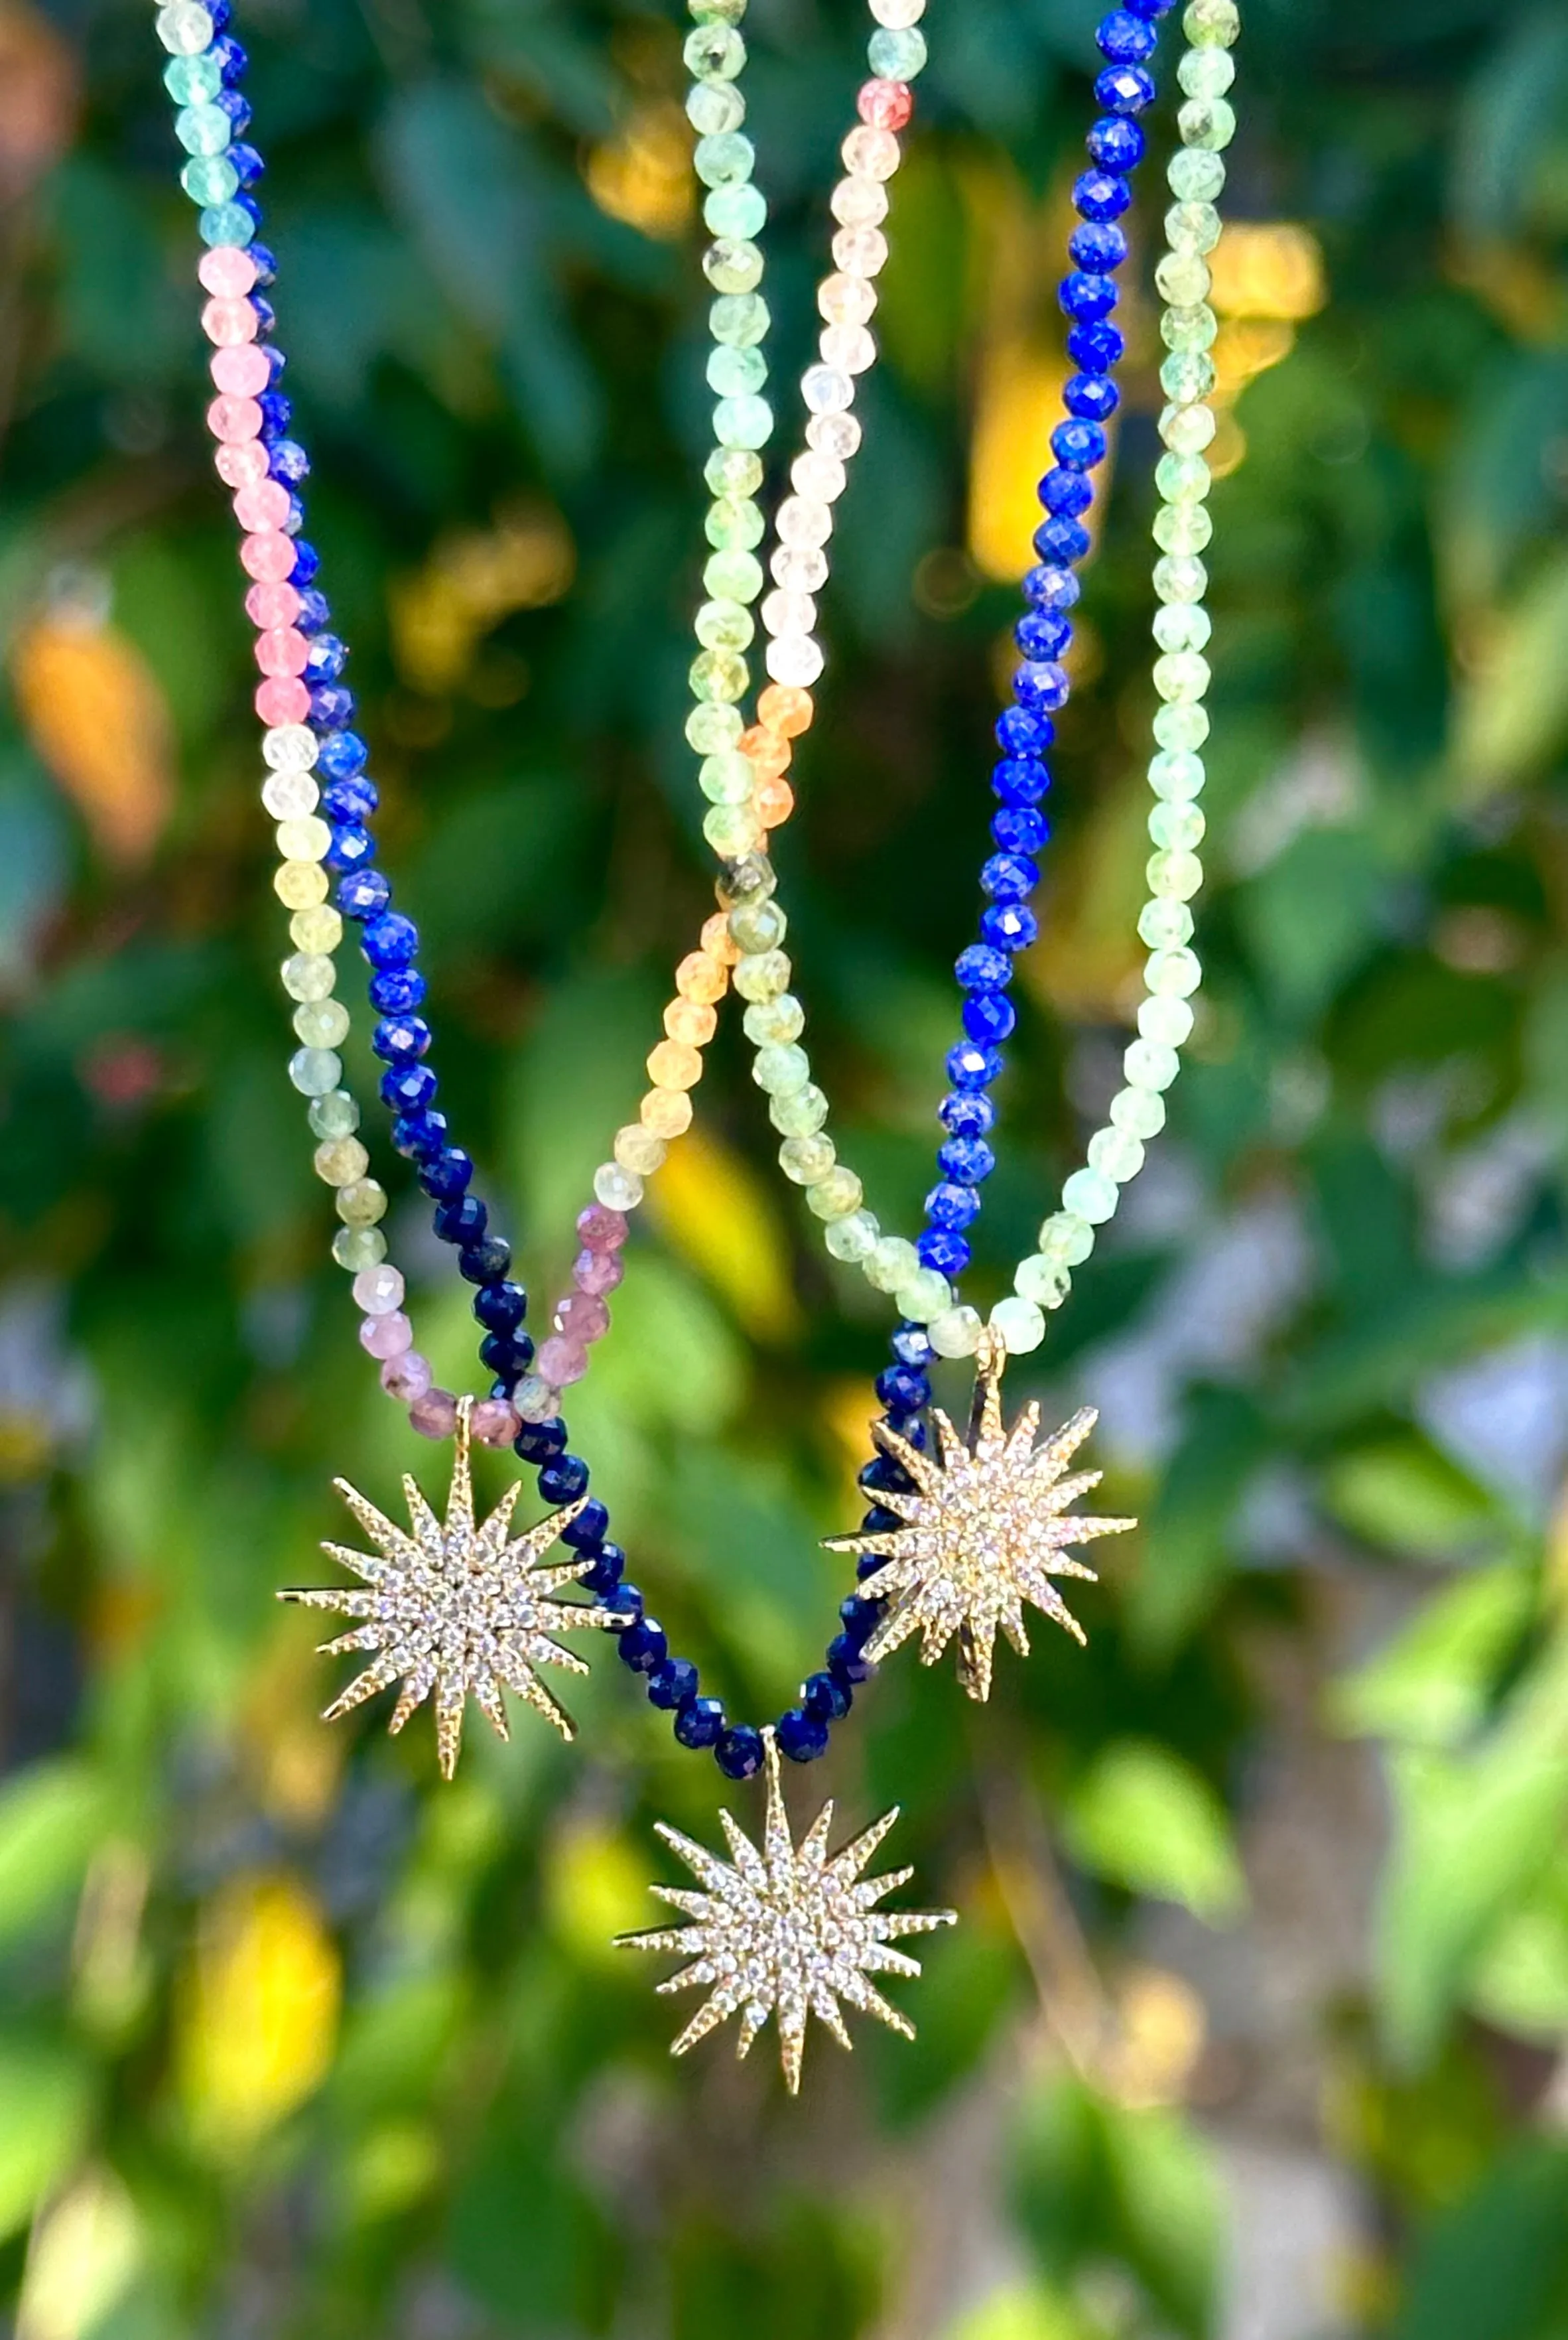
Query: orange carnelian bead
{"x": 774, "y": 802}
{"x": 700, "y": 976}
{"x": 768, "y": 752}
{"x": 689, "y": 1021}
{"x": 785, "y": 709}
{"x": 674, "y": 1066}
{"x": 666, "y": 1112}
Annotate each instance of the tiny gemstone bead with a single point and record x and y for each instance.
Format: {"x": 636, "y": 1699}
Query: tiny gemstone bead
{"x": 619, "y": 1190}
{"x": 495, "y": 1423}
{"x": 1020, "y": 1325}
{"x": 955, "y": 1333}
{"x": 357, "y": 1247}
{"x": 385, "y": 1336}
{"x": 561, "y": 1362}
{"x": 363, "y": 1204}
{"x": 340, "y": 1161}
{"x": 379, "y": 1290}
{"x": 1045, "y": 1281}
{"x": 700, "y": 1723}
{"x": 739, "y": 1752}
{"x": 638, "y": 1150}
{"x": 408, "y": 1376}
{"x": 434, "y": 1414}
{"x": 837, "y": 1195}
{"x": 852, "y": 1238}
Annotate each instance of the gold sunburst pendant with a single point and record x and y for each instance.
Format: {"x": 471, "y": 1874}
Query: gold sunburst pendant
{"x": 789, "y": 1931}
{"x": 454, "y": 1607}
{"x": 985, "y": 1528}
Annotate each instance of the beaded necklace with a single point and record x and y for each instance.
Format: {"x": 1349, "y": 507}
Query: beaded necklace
{"x": 917, "y": 1578}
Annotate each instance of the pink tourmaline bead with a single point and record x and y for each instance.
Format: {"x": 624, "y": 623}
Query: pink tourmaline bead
{"x": 434, "y": 1414}
{"x": 561, "y": 1362}
{"x": 283, "y": 650}
{"x": 227, "y": 270}
{"x": 495, "y": 1423}
{"x": 379, "y": 1290}
{"x": 269, "y": 558}
{"x": 229, "y": 322}
{"x": 580, "y": 1316}
{"x": 387, "y": 1336}
{"x": 243, "y": 466}
{"x": 243, "y": 372}
{"x": 282, "y": 699}
{"x": 602, "y": 1229}
{"x": 266, "y": 505}
{"x": 271, "y": 605}
{"x": 408, "y": 1376}
{"x": 598, "y": 1270}
{"x": 234, "y": 418}
{"x": 885, "y": 105}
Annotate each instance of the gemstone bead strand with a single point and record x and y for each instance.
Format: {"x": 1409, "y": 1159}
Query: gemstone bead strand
{"x": 1183, "y": 529}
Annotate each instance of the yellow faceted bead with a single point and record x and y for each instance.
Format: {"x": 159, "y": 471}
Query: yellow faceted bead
{"x": 361, "y": 1203}
{"x": 689, "y": 1021}
{"x": 309, "y": 975}
{"x": 317, "y": 931}
{"x": 638, "y": 1150}
{"x": 300, "y": 885}
{"x": 667, "y": 1111}
{"x": 305, "y": 839}
{"x": 732, "y": 829}
{"x": 701, "y": 978}
{"x": 674, "y": 1066}
{"x": 342, "y": 1161}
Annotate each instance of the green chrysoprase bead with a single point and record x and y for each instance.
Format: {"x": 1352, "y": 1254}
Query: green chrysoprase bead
{"x": 210, "y": 179}
{"x": 892, "y": 1264}
{"x": 1194, "y": 177}
{"x": 1178, "y": 825}
{"x": 1187, "y": 330}
{"x": 733, "y": 268}
{"x": 714, "y": 53}
{"x": 800, "y": 1114}
{"x": 735, "y": 526}
{"x": 1065, "y": 1240}
{"x": 1140, "y": 1112}
{"x": 896, "y": 55}
{"x": 189, "y": 81}
{"x": 1182, "y": 527}
{"x": 1211, "y": 24}
{"x": 744, "y": 423}
{"x": 733, "y": 472}
{"x": 771, "y": 1022}
{"x": 334, "y": 1115}
{"x": 715, "y": 106}
{"x": 1182, "y": 278}
{"x": 734, "y": 576}
{"x": 739, "y": 319}
{"x": 1187, "y": 375}
{"x": 1187, "y": 430}
{"x": 1192, "y": 227}
{"x": 356, "y": 1248}
{"x": 1182, "y": 478}
{"x": 854, "y": 1238}
{"x": 736, "y": 373}
{"x": 757, "y": 925}
{"x": 724, "y": 625}
{"x": 726, "y": 161}
{"x": 782, "y": 1071}
{"x": 1206, "y": 72}
{"x": 730, "y": 829}
{"x": 726, "y": 778}
{"x": 1181, "y": 727}
{"x": 1181, "y": 577}
{"x": 806, "y": 1159}
{"x": 711, "y": 729}
{"x": 738, "y": 212}
{"x": 1208, "y": 122}
{"x": 719, "y": 674}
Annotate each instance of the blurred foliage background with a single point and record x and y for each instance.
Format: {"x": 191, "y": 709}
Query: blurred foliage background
{"x": 1254, "y": 2027}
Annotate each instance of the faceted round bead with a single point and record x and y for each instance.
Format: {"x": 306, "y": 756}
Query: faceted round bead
{"x": 701, "y": 978}
{"x": 700, "y": 1723}
{"x": 379, "y": 1290}
{"x": 1150, "y": 1065}
{"x": 895, "y": 56}
{"x": 1043, "y": 1281}
{"x": 799, "y": 1115}
{"x": 666, "y": 1113}
{"x": 771, "y": 1022}
{"x": 955, "y": 1333}
{"x": 533, "y": 1399}
{"x": 1117, "y": 1153}
{"x": 638, "y": 1150}
{"x": 1140, "y": 1112}
{"x": 363, "y": 1204}
{"x": 805, "y": 1160}
{"x": 340, "y": 1161}
{"x": 780, "y": 1071}
{"x": 494, "y": 1422}
{"x": 837, "y": 1195}
{"x": 764, "y": 974}
{"x": 1090, "y": 1195}
{"x": 335, "y": 1115}
{"x": 407, "y": 1376}
{"x": 184, "y": 28}
{"x": 852, "y": 1238}
{"x": 388, "y": 1335}
{"x": 802, "y": 1737}
{"x": 923, "y": 1295}
{"x": 674, "y": 1065}
{"x": 314, "y": 1071}
{"x": 1163, "y": 923}
{"x": 691, "y": 1022}
{"x": 892, "y": 1265}
{"x": 1018, "y": 1325}
{"x": 618, "y": 1189}
{"x": 898, "y": 14}
{"x": 354, "y": 1248}
{"x": 739, "y": 1752}
{"x": 1211, "y": 24}
{"x": 562, "y": 1360}
{"x": 434, "y": 1414}
{"x": 1067, "y": 1239}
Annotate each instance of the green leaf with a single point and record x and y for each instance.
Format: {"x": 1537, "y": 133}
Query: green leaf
{"x": 1406, "y": 1496}
{"x": 1188, "y": 1551}
{"x": 45, "y": 2100}
{"x": 1430, "y": 1687}
{"x": 1497, "y": 2267}
{"x": 1513, "y": 712}
{"x": 52, "y": 1816}
{"x": 1309, "y": 917}
{"x": 1145, "y": 1819}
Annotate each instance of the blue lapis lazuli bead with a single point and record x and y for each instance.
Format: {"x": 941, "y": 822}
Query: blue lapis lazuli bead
{"x": 1049, "y": 585}
{"x": 1019, "y": 828}
{"x": 585, "y": 1534}
{"x": 1092, "y": 397}
{"x": 1100, "y": 195}
{"x": 739, "y": 1752}
{"x": 1124, "y": 89}
{"x": 401, "y": 1039}
{"x": 673, "y": 1684}
{"x": 606, "y": 1570}
{"x": 564, "y": 1480}
{"x": 390, "y": 940}
{"x": 1020, "y": 781}
{"x": 903, "y": 1390}
{"x": 398, "y": 991}
{"x": 967, "y": 1160}
{"x": 981, "y": 968}
{"x": 951, "y": 1205}
{"x": 407, "y": 1088}
{"x": 1006, "y": 877}
{"x": 1098, "y": 245}
{"x": 1125, "y": 38}
{"x": 948, "y": 1253}
{"x": 484, "y": 1260}
{"x": 1043, "y": 633}
{"x": 1064, "y": 489}
{"x": 341, "y": 754}
{"x": 847, "y": 1662}
{"x": 1087, "y": 297}
{"x": 1078, "y": 446}
{"x": 701, "y": 1723}
{"x": 541, "y": 1442}
{"x": 1010, "y": 926}
{"x": 421, "y": 1137}
{"x": 967, "y": 1113}
{"x": 802, "y": 1737}
{"x": 1061, "y": 538}
{"x": 989, "y": 1016}
{"x": 911, "y": 1345}
{"x": 501, "y": 1308}
{"x": 971, "y": 1067}
{"x": 642, "y": 1646}
{"x": 822, "y": 1695}
{"x": 1116, "y": 144}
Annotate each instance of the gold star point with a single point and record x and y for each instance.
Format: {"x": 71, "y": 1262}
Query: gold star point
{"x": 453, "y": 1608}
{"x": 787, "y": 1931}
{"x": 984, "y": 1529}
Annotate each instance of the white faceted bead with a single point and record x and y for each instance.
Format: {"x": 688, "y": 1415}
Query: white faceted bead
{"x": 838, "y": 435}
{"x": 845, "y": 300}
{"x": 1182, "y": 626}
{"x": 288, "y": 796}
{"x": 1117, "y": 1153}
{"x": 379, "y": 1290}
{"x": 1177, "y": 876}
{"x": 1176, "y": 974}
{"x": 1169, "y": 1021}
{"x": 871, "y": 153}
{"x": 304, "y": 839}
{"x": 955, "y": 1333}
{"x": 853, "y": 1238}
{"x": 184, "y": 28}
{"x": 821, "y": 479}
{"x": 799, "y": 568}
{"x": 898, "y": 15}
{"x": 858, "y": 203}
{"x": 788, "y": 613}
{"x": 1178, "y": 826}
{"x": 850, "y": 347}
{"x": 803, "y": 521}
{"x": 795, "y": 662}
{"x": 860, "y": 252}
{"x": 1150, "y": 1064}
{"x": 616, "y": 1189}
{"x": 1018, "y": 1325}
{"x": 827, "y": 390}
{"x": 1163, "y": 924}
{"x": 289, "y": 747}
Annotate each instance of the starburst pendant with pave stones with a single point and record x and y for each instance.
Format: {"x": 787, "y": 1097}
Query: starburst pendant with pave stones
{"x": 985, "y": 1528}
{"x": 454, "y": 1607}
{"x": 789, "y": 1931}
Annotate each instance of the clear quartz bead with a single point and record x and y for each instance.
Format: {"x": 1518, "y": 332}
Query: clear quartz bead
{"x": 788, "y": 613}
{"x": 618, "y": 1189}
{"x": 797, "y": 663}
{"x": 846, "y": 299}
{"x": 819, "y": 478}
{"x": 309, "y": 975}
{"x": 836, "y": 435}
{"x": 859, "y": 203}
{"x": 289, "y": 796}
{"x": 851, "y": 348}
{"x": 1167, "y": 1020}
{"x": 799, "y": 568}
{"x": 289, "y": 747}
